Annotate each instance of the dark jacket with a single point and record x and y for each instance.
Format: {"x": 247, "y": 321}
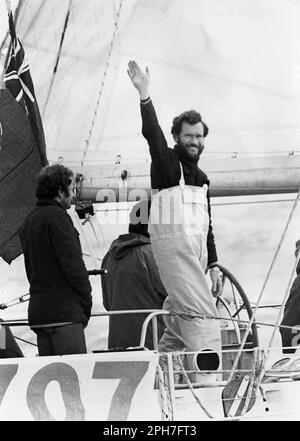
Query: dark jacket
{"x": 60, "y": 290}
{"x": 9, "y": 348}
{"x": 291, "y": 316}
{"x": 165, "y": 167}
{"x": 132, "y": 282}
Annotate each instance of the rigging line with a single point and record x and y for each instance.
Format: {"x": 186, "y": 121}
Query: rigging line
{"x": 251, "y": 202}
{"x": 94, "y": 228}
{"x": 267, "y": 306}
{"x": 214, "y": 317}
{"x": 280, "y": 310}
{"x": 107, "y": 64}
{"x": 15, "y": 18}
{"x": 263, "y": 289}
{"x": 103, "y": 237}
{"x": 19, "y": 163}
{"x": 25, "y": 341}
{"x": 58, "y": 56}
{"x": 256, "y": 128}
{"x": 34, "y": 17}
{"x": 3, "y": 43}
{"x": 183, "y": 371}
{"x": 229, "y": 154}
{"x": 144, "y": 311}
{"x": 9, "y": 46}
{"x": 252, "y": 153}
{"x": 88, "y": 255}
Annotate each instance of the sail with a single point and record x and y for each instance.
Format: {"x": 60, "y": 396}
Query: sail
{"x": 237, "y": 62}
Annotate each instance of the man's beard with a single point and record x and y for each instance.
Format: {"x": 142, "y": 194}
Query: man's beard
{"x": 194, "y": 157}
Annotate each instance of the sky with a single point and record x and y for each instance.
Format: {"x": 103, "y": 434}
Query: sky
{"x": 248, "y": 230}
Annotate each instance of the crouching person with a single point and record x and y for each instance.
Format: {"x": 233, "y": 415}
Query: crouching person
{"x": 132, "y": 282}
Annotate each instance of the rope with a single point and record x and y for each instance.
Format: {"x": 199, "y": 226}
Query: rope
{"x": 25, "y": 341}
{"x": 263, "y": 289}
{"x": 15, "y": 18}
{"x": 236, "y": 328}
{"x": 212, "y": 204}
{"x": 166, "y": 387}
{"x": 254, "y": 379}
{"x": 164, "y": 404}
{"x": 284, "y": 300}
{"x": 192, "y": 389}
{"x": 251, "y": 202}
{"x": 277, "y": 326}
{"x": 58, "y": 56}
{"x": 116, "y": 23}
{"x": 207, "y": 156}
{"x": 144, "y": 311}
{"x": 203, "y": 317}
{"x": 257, "y": 153}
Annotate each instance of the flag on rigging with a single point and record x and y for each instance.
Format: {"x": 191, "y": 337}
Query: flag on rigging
{"x": 18, "y": 81}
{"x": 22, "y": 147}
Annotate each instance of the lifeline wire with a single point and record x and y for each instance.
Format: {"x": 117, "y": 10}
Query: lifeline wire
{"x": 277, "y": 326}
{"x": 263, "y": 289}
{"x": 192, "y": 389}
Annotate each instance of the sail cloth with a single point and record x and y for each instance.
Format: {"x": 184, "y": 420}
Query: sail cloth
{"x": 22, "y": 150}
{"x": 245, "y": 82}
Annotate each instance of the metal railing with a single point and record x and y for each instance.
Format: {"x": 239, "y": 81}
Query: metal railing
{"x": 153, "y": 313}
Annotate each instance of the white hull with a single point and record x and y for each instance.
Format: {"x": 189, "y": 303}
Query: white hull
{"x": 125, "y": 386}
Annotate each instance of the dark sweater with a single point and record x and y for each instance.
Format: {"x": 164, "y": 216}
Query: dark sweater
{"x": 60, "y": 290}
{"x": 165, "y": 167}
{"x": 290, "y": 337}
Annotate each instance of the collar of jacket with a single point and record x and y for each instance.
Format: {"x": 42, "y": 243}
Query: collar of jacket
{"x": 190, "y": 167}
{"x": 125, "y": 242}
{"x": 42, "y": 202}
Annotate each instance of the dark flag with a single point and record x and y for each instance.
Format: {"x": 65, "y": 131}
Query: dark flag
{"x": 22, "y": 148}
{"x": 18, "y": 81}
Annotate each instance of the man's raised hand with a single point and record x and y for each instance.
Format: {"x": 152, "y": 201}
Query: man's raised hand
{"x": 139, "y": 79}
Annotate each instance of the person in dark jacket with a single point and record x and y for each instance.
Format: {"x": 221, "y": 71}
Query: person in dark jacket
{"x": 180, "y": 228}
{"x": 60, "y": 292}
{"x": 9, "y": 348}
{"x": 132, "y": 282}
{"x": 291, "y": 317}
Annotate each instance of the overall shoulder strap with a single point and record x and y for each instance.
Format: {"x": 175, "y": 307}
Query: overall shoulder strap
{"x": 181, "y": 181}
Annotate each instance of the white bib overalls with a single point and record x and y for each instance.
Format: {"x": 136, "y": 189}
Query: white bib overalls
{"x": 178, "y": 226}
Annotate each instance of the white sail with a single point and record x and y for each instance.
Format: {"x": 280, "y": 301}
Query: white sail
{"x": 237, "y": 62}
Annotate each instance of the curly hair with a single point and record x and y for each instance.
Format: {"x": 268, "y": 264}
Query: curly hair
{"x": 191, "y": 117}
{"x": 51, "y": 179}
